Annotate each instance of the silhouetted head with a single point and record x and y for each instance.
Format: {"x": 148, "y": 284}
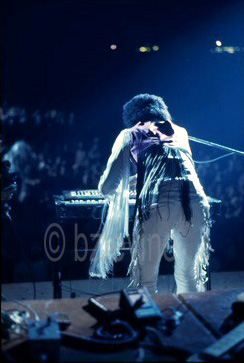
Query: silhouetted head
{"x": 145, "y": 107}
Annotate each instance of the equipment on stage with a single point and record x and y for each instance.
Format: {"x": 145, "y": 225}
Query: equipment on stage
{"x": 44, "y": 339}
{"x": 139, "y": 305}
{"x": 89, "y": 203}
{"x": 136, "y": 321}
{"x": 82, "y": 211}
{"x": 89, "y": 195}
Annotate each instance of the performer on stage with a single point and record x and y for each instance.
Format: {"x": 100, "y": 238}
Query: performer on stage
{"x": 170, "y": 200}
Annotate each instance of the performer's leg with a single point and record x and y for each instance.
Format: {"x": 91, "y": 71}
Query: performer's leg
{"x": 153, "y": 237}
{"x": 188, "y": 241}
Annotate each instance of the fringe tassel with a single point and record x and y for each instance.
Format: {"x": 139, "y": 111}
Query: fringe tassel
{"x": 134, "y": 268}
{"x": 202, "y": 258}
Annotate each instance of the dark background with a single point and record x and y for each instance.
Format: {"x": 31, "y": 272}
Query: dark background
{"x": 56, "y": 57}
{"x": 56, "y": 54}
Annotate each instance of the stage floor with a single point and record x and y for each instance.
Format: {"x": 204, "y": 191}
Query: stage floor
{"x": 86, "y": 288}
{"x": 203, "y": 317}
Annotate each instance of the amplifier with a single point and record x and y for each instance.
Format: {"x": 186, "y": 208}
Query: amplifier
{"x": 79, "y": 214}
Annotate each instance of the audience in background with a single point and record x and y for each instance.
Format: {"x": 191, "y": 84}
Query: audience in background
{"x": 48, "y": 153}
{"x": 224, "y": 180}
{"x": 70, "y": 165}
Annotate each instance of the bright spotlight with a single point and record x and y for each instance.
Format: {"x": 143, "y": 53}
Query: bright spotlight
{"x": 113, "y": 46}
{"x": 218, "y": 43}
{"x": 143, "y": 49}
{"x": 155, "y": 48}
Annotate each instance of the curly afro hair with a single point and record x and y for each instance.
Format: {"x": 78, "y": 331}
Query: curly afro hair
{"x": 145, "y": 107}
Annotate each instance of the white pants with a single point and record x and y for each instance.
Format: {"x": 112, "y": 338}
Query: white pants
{"x": 191, "y": 242}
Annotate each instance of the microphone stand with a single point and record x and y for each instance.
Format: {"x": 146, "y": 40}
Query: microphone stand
{"x": 212, "y": 144}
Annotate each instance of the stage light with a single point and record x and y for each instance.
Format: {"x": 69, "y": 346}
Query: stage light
{"x": 143, "y": 49}
{"x": 218, "y": 43}
{"x": 229, "y": 50}
{"x": 113, "y": 46}
{"x": 155, "y": 48}
{"x": 218, "y": 50}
